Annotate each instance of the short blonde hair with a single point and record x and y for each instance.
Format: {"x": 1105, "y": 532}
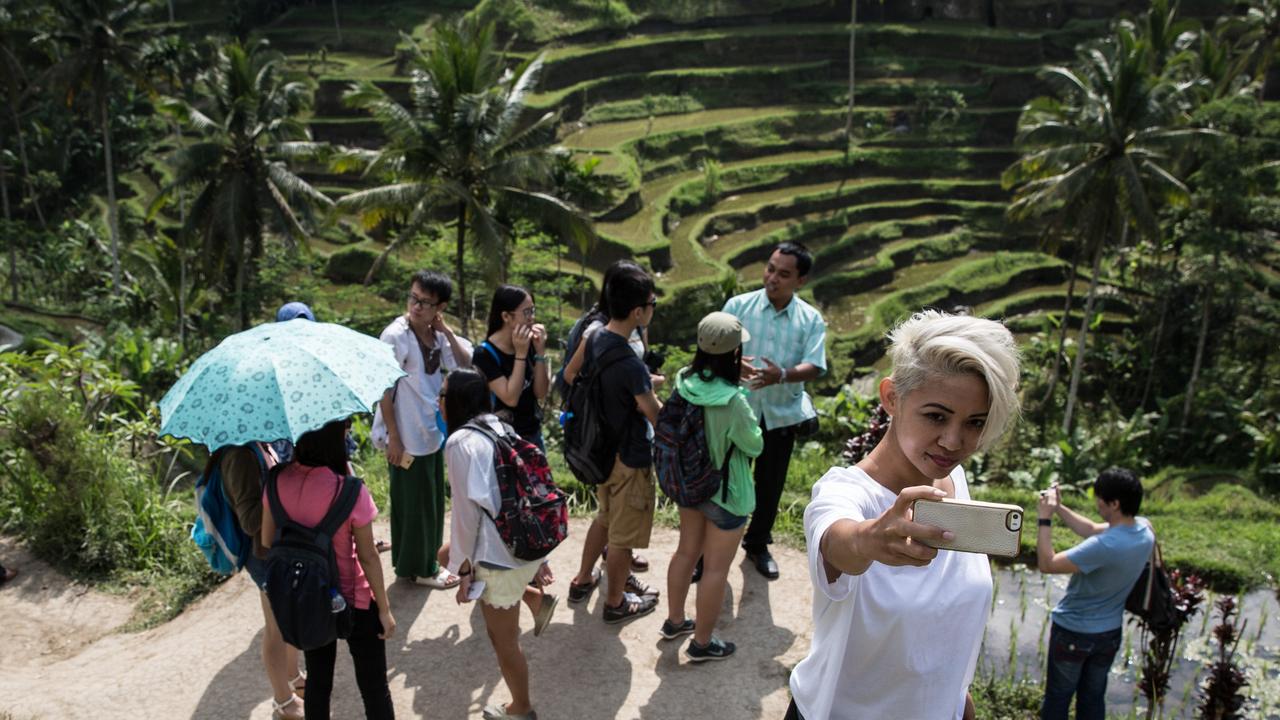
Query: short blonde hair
{"x": 932, "y": 343}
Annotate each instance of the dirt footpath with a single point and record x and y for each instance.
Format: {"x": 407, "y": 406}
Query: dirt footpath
{"x": 61, "y": 659}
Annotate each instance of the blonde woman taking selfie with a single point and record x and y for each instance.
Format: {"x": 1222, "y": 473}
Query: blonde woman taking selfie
{"x": 898, "y": 624}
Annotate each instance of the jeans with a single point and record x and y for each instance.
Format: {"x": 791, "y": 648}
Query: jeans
{"x": 368, "y": 654}
{"x": 1078, "y": 665}
{"x": 720, "y": 517}
{"x": 770, "y": 476}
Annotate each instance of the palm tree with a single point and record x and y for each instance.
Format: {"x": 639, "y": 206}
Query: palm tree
{"x": 462, "y": 149}
{"x": 239, "y": 168}
{"x": 98, "y": 42}
{"x": 1095, "y": 158}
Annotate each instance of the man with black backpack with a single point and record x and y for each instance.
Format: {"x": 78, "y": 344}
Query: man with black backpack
{"x": 1087, "y": 622}
{"x": 617, "y": 387}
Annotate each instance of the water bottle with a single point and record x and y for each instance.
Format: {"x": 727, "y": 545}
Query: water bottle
{"x": 337, "y": 603}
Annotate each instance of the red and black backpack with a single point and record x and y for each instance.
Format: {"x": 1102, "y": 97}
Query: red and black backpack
{"x": 534, "y": 518}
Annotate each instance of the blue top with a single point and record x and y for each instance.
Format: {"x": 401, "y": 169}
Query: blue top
{"x": 796, "y": 334}
{"x": 1110, "y": 563}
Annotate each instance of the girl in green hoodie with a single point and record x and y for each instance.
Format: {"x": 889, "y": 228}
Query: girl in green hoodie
{"x": 714, "y": 529}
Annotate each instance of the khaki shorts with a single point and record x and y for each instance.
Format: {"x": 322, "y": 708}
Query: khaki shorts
{"x": 626, "y": 505}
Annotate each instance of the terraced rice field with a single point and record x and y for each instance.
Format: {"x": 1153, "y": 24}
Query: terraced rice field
{"x": 910, "y": 213}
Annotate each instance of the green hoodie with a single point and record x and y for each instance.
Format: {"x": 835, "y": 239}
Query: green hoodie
{"x": 729, "y": 419}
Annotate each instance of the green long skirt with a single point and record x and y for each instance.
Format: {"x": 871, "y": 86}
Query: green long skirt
{"x": 417, "y": 515}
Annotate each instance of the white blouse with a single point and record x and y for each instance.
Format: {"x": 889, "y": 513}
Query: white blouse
{"x": 473, "y": 480}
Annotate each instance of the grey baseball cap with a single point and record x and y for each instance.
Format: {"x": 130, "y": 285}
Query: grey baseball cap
{"x": 721, "y": 332}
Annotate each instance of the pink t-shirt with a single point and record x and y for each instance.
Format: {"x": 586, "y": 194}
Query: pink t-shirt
{"x": 306, "y": 494}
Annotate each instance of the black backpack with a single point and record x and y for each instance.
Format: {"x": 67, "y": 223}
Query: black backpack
{"x": 302, "y": 571}
{"x": 588, "y": 448}
{"x": 571, "y": 347}
{"x": 1151, "y": 597}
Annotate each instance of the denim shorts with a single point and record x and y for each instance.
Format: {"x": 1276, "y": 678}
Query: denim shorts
{"x": 720, "y": 517}
{"x": 257, "y": 568}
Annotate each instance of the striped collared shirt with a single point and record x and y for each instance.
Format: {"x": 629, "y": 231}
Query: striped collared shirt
{"x": 796, "y": 334}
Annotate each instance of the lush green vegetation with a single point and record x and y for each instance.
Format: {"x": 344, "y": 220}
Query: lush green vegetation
{"x": 1137, "y": 261}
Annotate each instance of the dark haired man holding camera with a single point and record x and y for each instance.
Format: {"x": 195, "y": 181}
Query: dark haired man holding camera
{"x": 1087, "y": 622}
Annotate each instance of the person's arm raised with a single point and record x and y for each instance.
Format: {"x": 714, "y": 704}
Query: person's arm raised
{"x": 850, "y": 546}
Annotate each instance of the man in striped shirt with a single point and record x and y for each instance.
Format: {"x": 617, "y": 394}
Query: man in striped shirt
{"x": 786, "y": 349}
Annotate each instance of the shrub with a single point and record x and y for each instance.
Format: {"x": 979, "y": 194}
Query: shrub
{"x": 82, "y": 478}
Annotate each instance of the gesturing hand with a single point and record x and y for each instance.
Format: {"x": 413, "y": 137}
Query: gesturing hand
{"x": 770, "y": 374}
{"x": 895, "y": 537}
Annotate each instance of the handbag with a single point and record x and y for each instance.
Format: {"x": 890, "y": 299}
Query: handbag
{"x": 1151, "y": 598}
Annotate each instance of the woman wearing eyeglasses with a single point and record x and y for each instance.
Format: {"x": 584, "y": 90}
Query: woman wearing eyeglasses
{"x": 407, "y": 427}
{"x": 513, "y": 363}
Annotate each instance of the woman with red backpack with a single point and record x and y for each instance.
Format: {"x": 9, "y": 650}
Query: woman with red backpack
{"x": 713, "y": 528}
{"x": 478, "y": 554}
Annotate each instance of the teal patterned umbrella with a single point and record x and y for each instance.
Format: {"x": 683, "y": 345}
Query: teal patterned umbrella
{"x": 277, "y": 380}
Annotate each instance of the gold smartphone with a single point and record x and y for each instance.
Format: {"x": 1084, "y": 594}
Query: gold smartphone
{"x": 405, "y": 460}
{"x": 979, "y": 527}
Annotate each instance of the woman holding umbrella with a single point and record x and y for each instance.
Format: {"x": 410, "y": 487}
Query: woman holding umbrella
{"x": 283, "y": 380}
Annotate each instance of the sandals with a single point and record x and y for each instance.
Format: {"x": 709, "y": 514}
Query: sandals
{"x": 498, "y": 711}
{"x": 382, "y": 545}
{"x": 579, "y": 593}
{"x": 542, "y": 618}
{"x": 299, "y": 685}
{"x": 442, "y": 580}
{"x": 9, "y": 574}
{"x": 279, "y": 710}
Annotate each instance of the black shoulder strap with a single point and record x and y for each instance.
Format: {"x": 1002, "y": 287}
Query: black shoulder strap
{"x": 611, "y": 357}
{"x": 341, "y": 508}
{"x": 273, "y": 500}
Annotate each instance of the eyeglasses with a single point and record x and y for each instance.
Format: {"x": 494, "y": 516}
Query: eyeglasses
{"x": 653, "y": 303}
{"x": 415, "y": 301}
{"x": 528, "y": 312}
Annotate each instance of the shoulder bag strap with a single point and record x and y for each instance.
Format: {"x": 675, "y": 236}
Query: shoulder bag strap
{"x": 278, "y": 513}
{"x": 341, "y": 508}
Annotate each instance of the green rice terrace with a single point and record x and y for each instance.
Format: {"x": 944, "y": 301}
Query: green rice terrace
{"x": 1099, "y": 175}
{"x": 722, "y": 136}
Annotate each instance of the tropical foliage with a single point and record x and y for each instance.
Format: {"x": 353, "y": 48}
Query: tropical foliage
{"x": 250, "y": 135}
{"x": 463, "y": 148}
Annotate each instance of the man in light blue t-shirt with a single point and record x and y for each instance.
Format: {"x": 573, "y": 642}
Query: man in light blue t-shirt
{"x": 1087, "y": 622}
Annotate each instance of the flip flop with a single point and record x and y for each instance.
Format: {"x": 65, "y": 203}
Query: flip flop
{"x": 443, "y": 580}
{"x": 543, "y": 618}
{"x": 382, "y": 545}
{"x": 9, "y": 574}
{"x": 579, "y": 593}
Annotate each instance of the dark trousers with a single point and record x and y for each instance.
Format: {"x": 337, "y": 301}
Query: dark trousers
{"x": 1078, "y": 665}
{"x": 368, "y": 653}
{"x": 793, "y": 712}
{"x": 770, "y": 476}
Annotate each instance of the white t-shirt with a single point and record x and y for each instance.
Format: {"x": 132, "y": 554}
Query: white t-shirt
{"x": 894, "y": 642}
{"x": 417, "y": 395}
